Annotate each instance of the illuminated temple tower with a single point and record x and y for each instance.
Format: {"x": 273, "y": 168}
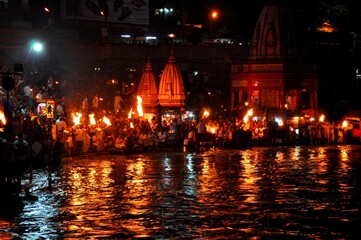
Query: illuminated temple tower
{"x": 274, "y": 76}
{"x": 171, "y": 87}
{"x": 147, "y": 89}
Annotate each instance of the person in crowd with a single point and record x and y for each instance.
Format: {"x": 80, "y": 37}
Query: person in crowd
{"x": 78, "y": 137}
{"x": 201, "y": 127}
{"x": 162, "y": 136}
{"x": 7, "y": 164}
{"x": 21, "y": 154}
{"x": 85, "y": 105}
{"x": 59, "y": 110}
{"x": 60, "y": 126}
{"x": 117, "y": 103}
{"x": 36, "y": 156}
{"x": 47, "y": 148}
{"x": 120, "y": 142}
{"x": 86, "y": 141}
{"x": 58, "y": 150}
{"x": 95, "y": 103}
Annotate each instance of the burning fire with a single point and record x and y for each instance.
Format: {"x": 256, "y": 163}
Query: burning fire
{"x": 206, "y": 113}
{"x": 2, "y": 118}
{"x": 130, "y": 113}
{"x": 139, "y": 107}
{"x": 249, "y": 114}
{"x": 322, "y": 118}
{"x": 76, "y": 118}
{"x": 106, "y": 121}
{"x": 344, "y": 124}
{"x": 92, "y": 120}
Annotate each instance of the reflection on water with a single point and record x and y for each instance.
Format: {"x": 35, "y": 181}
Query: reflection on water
{"x": 302, "y": 192}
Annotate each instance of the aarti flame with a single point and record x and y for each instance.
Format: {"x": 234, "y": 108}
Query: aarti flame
{"x": 206, "y": 113}
{"x": 76, "y": 118}
{"x": 249, "y": 114}
{"x": 139, "y": 107}
{"x": 107, "y": 121}
{"x": 91, "y": 119}
{"x": 130, "y": 113}
{"x": 322, "y": 118}
{"x": 2, "y": 118}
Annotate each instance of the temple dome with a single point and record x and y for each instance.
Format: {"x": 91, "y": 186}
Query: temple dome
{"x": 171, "y": 86}
{"x": 147, "y": 88}
{"x": 274, "y": 37}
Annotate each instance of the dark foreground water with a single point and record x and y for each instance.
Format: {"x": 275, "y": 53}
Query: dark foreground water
{"x": 263, "y": 193}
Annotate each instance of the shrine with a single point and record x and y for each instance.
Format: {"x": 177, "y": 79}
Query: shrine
{"x": 171, "y": 86}
{"x": 275, "y": 77}
{"x": 148, "y": 90}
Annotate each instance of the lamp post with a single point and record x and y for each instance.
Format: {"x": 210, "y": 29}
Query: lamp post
{"x": 36, "y": 47}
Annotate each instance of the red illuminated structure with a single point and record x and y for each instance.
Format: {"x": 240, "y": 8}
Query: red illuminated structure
{"x": 275, "y": 77}
{"x": 148, "y": 89}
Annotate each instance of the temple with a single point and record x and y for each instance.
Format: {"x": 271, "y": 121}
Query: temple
{"x": 147, "y": 89}
{"x": 274, "y": 76}
{"x": 171, "y": 87}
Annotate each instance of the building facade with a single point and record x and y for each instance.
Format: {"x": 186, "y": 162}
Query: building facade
{"x": 274, "y": 77}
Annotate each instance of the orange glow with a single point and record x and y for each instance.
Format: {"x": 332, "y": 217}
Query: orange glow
{"x": 139, "y": 107}
{"x": 326, "y": 27}
{"x": 2, "y": 118}
{"x": 322, "y": 118}
{"x": 91, "y": 118}
{"x": 76, "y": 118}
{"x": 214, "y": 14}
{"x": 249, "y": 114}
{"x": 344, "y": 124}
{"x": 130, "y": 113}
{"x": 206, "y": 113}
{"x": 107, "y": 121}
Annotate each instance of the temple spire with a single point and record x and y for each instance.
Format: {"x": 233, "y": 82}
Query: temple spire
{"x": 147, "y": 88}
{"x": 171, "y": 86}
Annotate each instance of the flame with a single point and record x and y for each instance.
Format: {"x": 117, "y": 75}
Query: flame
{"x": 206, "y": 113}
{"x": 322, "y": 118}
{"x": 248, "y": 114}
{"x": 131, "y": 125}
{"x": 92, "y": 120}
{"x": 130, "y": 113}
{"x": 139, "y": 107}
{"x": 213, "y": 130}
{"x": 106, "y": 121}
{"x": 344, "y": 124}
{"x": 76, "y": 118}
{"x": 2, "y": 118}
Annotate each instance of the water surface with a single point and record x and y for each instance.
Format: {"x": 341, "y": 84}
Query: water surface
{"x": 261, "y": 193}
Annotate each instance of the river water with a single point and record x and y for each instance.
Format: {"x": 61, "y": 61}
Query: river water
{"x": 259, "y": 193}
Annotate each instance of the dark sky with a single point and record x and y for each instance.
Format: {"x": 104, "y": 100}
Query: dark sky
{"x": 242, "y": 15}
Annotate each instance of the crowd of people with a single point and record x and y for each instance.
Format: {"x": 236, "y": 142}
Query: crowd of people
{"x": 40, "y": 140}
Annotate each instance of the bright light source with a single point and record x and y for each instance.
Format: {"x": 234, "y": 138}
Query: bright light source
{"x": 38, "y": 47}
{"x": 214, "y": 14}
